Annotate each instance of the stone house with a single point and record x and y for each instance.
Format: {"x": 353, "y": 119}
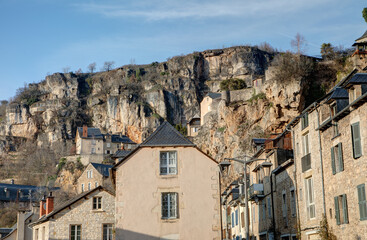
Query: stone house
{"x": 209, "y": 103}
{"x": 360, "y": 54}
{"x": 167, "y": 189}
{"x": 193, "y": 126}
{"x": 89, "y": 142}
{"x": 94, "y": 175}
{"x": 21, "y": 231}
{"x": 330, "y": 142}
{"x": 90, "y": 215}
{"x": 120, "y": 155}
{"x": 114, "y": 142}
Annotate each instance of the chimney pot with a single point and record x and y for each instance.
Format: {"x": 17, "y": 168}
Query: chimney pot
{"x": 49, "y": 203}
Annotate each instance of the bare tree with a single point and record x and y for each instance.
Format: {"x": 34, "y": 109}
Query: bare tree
{"x": 92, "y": 67}
{"x": 66, "y": 69}
{"x": 78, "y": 71}
{"x": 299, "y": 44}
{"x": 107, "y": 66}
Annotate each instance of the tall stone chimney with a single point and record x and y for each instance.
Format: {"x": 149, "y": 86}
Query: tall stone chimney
{"x": 43, "y": 207}
{"x": 49, "y": 203}
{"x": 85, "y": 131}
{"x": 21, "y": 225}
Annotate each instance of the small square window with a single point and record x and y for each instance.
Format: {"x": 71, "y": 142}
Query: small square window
{"x": 169, "y": 205}
{"x": 168, "y": 163}
{"x": 97, "y": 203}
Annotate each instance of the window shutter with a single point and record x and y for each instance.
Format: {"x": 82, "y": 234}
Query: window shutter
{"x": 356, "y": 137}
{"x": 362, "y": 202}
{"x": 345, "y": 208}
{"x": 340, "y": 155}
{"x": 333, "y": 160}
{"x": 337, "y": 215}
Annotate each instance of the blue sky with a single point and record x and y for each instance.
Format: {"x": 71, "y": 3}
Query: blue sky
{"x": 39, "y": 37}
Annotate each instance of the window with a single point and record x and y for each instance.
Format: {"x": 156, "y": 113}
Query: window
{"x": 107, "y": 232}
{"x": 341, "y": 209}
{"x": 337, "y": 159}
{"x": 284, "y": 205}
{"x": 310, "y": 201}
{"x": 305, "y": 142}
{"x": 108, "y": 152}
{"x": 89, "y": 186}
{"x": 75, "y": 232}
{"x": 96, "y": 184}
{"x": 232, "y": 219}
{"x": 108, "y": 145}
{"x": 97, "y": 203}
{"x": 269, "y": 207}
{"x": 93, "y": 150}
{"x": 82, "y": 187}
{"x": 306, "y": 159}
{"x": 90, "y": 174}
{"x": 304, "y": 120}
{"x": 36, "y": 234}
{"x": 93, "y": 142}
{"x": 362, "y": 202}
{"x": 334, "y": 110}
{"x": 168, "y": 163}
{"x": 335, "y": 129}
{"x": 356, "y": 140}
{"x": 264, "y": 210}
{"x": 293, "y": 203}
{"x": 169, "y": 205}
{"x": 236, "y": 217}
{"x": 352, "y": 94}
{"x": 195, "y": 129}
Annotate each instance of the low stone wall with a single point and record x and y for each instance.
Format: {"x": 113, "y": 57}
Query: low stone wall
{"x": 86, "y": 159}
{"x": 240, "y": 95}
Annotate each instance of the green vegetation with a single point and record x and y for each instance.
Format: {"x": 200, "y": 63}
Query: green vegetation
{"x": 154, "y": 64}
{"x": 233, "y": 84}
{"x": 221, "y": 129}
{"x": 164, "y": 73}
{"x": 256, "y": 97}
{"x": 324, "y": 230}
{"x": 61, "y": 164}
{"x": 364, "y": 14}
{"x": 181, "y": 129}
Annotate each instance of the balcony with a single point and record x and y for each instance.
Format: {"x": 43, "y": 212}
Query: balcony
{"x": 256, "y": 191}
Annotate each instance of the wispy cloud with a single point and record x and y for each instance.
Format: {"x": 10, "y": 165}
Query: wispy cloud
{"x": 176, "y": 9}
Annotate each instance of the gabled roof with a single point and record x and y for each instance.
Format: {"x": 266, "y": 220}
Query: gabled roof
{"x": 166, "y": 135}
{"x": 214, "y": 95}
{"x": 258, "y": 141}
{"x": 363, "y": 36}
{"x": 121, "y": 154}
{"x": 358, "y": 78}
{"x": 67, "y": 204}
{"x": 102, "y": 168}
{"x": 92, "y": 133}
{"x": 339, "y": 93}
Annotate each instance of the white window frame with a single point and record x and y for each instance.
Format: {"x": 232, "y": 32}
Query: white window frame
{"x": 310, "y": 198}
{"x": 82, "y": 187}
{"x": 108, "y": 145}
{"x": 171, "y": 205}
{"x": 305, "y": 144}
{"x": 89, "y": 186}
{"x": 75, "y": 229}
{"x": 97, "y": 203}
{"x": 168, "y": 163}
{"x": 109, "y": 231}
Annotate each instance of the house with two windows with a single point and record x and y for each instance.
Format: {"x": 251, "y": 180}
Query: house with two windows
{"x": 94, "y": 175}
{"x": 167, "y": 188}
{"x": 330, "y": 138}
{"x": 90, "y": 215}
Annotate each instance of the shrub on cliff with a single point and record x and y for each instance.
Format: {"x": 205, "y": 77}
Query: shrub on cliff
{"x": 28, "y": 94}
{"x": 233, "y": 84}
{"x": 289, "y": 66}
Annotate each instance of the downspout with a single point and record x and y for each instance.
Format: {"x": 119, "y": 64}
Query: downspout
{"x": 221, "y": 210}
{"x": 321, "y": 162}
{"x": 272, "y": 204}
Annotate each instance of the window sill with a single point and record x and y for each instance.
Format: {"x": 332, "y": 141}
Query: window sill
{"x": 335, "y": 136}
{"x": 168, "y": 176}
{"x": 98, "y": 210}
{"x": 169, "y": 220}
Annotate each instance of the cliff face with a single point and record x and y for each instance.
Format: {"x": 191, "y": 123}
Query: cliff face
{"x": 132, "y": 99}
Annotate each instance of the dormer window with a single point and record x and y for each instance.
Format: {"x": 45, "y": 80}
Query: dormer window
{"x": 352, "y": 94}
{"x": 304, "y": 120}
{"x": 333, "y": 109}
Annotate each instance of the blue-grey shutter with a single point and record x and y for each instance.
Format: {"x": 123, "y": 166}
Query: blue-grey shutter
{"x": 362, "y": 202}
{"x": 345, "y": 208}
{"x": 340, "y": 155}
{"x": 356, "y": 137}
{"x": 337, "y": 214}
{"x": 333, "y": 160}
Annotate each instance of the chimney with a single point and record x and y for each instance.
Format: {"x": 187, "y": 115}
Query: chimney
{"x": 21, "y": 225}
{"x": 43, "y": 206}
{"x": 12, "y": 181}
{"x": 85, "y": 131}
{"x": 49, "y": 203}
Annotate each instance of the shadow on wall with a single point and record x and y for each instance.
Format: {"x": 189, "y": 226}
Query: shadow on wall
{"x": 129, "y": 235}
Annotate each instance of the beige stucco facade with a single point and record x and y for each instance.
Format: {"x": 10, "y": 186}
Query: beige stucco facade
{"x": 80, "y": 213}
{"x": 139, "y": 188}
{"x": 207, "y": 105}
{"x": 91, "y": 178}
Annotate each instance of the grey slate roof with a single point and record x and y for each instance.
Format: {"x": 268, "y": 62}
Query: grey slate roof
{"x": 214, "y": 95}
{"x": 339, "y": 93}
{"x": 359, "y": 78}
{"x": 115, "y": 138}
{"x": 102, "y": 168}
{"x": 121, "y": 154}
{"x": 18, "y": 192}
{"x": 92, "y": 133}
{"x": 166, "y": 135}
{"x": 363, "y": 36}
{"x": 258, "y": 141}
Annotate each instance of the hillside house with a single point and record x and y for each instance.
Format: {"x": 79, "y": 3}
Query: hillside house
{"x": 89, "y": 141}
{"x": 89, "y": 215}
{"x": 163, "y": 178}
{"x": 114, "y": 142}
{"x": 120, "y": 155}
{"x": 360, "y": 53}
{"x": 331, "y": 143}
{"x": 193, "y": 126}
{"x": 94, "y": 175}
{"x": 209, "y": 103}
